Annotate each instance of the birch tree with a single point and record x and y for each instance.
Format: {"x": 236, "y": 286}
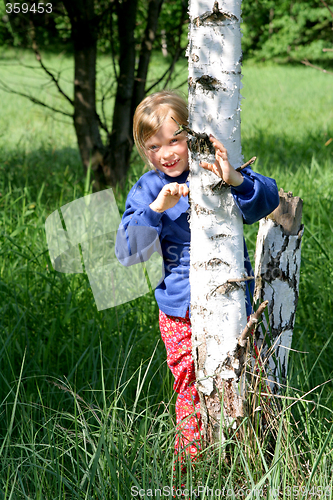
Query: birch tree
{"x": 217, "y": 258}
{"x": 277, "y": 272}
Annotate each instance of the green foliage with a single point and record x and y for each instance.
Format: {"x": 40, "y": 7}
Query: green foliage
{"x": 51, "y": 29}
{"x": 169, "y": 22}
{"x": 286, "y": 30}
{"x": 283, "y": 30}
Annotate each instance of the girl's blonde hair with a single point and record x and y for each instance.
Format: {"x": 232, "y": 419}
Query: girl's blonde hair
{"x": 149, "y": 116}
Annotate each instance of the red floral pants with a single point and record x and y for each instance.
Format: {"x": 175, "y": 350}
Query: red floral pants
{"x": 176, "y": 335}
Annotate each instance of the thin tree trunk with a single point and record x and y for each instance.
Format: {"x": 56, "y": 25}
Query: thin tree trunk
{"x": 154, "y": 10}
{"x": 218, "y": 312}
{"x": 85, "y": 117}
{"x": 131, "y": 85}
{"x": 277, "y": 271}
{"x": 120, "y": 141}
{"x": 109, "y": 162}
{"x": 86, "y": 122}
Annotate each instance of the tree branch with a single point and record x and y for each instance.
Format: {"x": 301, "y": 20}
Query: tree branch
{"x": 146, "y": 48}
{"x": 247, "y": 164}
{"x": 180, "y": 85}
{"x": 254, "y": 318}
{"x": 185, "y": 128}
{"x": 177, "y": 53}
{"x": 240, "y": 280}
{"x": 307, "y": 63}
{"x": 33, "y": 99}
{"x": 329, "y": 10}
{"x": 102, "y": 124}
{"x": 170, "y": 69}
{"x": 47, "y": 71}
{"x": 178, "y": 48}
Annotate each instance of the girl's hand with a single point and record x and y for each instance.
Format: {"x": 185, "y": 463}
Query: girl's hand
{"x": 169, "y": 196}
{"x": 222, "y": 167}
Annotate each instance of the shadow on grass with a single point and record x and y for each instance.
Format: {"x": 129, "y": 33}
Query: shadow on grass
{"x": 289, "y": 153}
{"x": 57, "y": 168}
{"x": 60, "y": 170}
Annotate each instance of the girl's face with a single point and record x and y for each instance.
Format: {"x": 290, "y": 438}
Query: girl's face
{"x": 168, "y": 153}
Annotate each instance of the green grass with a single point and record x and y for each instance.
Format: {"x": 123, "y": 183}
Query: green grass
{"x": 86, "y": 400}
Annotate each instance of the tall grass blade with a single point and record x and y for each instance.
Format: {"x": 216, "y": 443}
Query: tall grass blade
{"x": 11, "y": 423}
{"x": 318, "y": 459}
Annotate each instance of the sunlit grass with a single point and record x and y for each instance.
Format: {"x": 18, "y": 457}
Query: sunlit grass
{"x": 86, "y": 399}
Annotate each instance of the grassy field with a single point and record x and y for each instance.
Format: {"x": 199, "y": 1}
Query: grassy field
{"x": 86, "y": 399}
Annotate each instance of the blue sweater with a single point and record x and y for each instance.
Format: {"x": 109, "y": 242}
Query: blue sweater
{"x": 256, "y": 197}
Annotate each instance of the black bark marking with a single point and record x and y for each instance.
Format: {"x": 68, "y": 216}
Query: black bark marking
{"x": 199, "y": 143}
{"x": 201, "y": 210}
{"x": 211, "y": 264}
{"x": 226, "y": 288}
{"x": 215, "y": 262}
{"x": 216, "y": 16}
{"x": 209, "y": 83}
{"x": 219, "y": 236}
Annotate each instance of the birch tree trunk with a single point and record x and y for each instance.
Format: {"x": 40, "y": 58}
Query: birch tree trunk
{"x": 218, "y": 312}
{"x": 277, "y": 271}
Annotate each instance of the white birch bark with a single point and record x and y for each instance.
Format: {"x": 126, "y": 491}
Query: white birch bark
{"x": 218, "y": 313}
{"x": 277, "y": 271}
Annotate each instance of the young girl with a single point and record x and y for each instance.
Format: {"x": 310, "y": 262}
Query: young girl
{"x": 157, "y": 205}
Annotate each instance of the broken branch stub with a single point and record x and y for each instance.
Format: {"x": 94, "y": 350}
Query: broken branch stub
{"x": 289, "y": 213}
{"x": 215, "y": 16}
{"x": 253, "y": 320}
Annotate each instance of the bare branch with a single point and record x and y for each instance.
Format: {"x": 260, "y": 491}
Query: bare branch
{"x": 102, "y": 124}
{"x": 327, "y": 7}
{"x": 47, "y": 71}
{"x": 254, "y": 318}
{"x": 185, "y": 128}
{"x": 103, "y": 113}
{"x": 247, "y": 164}
{"x": 106, "y": 93}
{"x": 170, "y": 69}
{"x": 33, "y": 99}
{"x": 307, "y": 63}
{"x": 177, "y": 53}
{"x": 179, "y": 49}
{"x": 180, "y": 85}
{"x": 240, "y": 280}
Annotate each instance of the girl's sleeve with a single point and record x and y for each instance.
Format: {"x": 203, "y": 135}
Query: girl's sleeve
{"x": 256, "y": 197}
{"x": 140, "y": 228}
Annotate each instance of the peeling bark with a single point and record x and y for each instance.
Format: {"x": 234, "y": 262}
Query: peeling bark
{"x": 217, "y": 272}
{"x": 277, "y": 270}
